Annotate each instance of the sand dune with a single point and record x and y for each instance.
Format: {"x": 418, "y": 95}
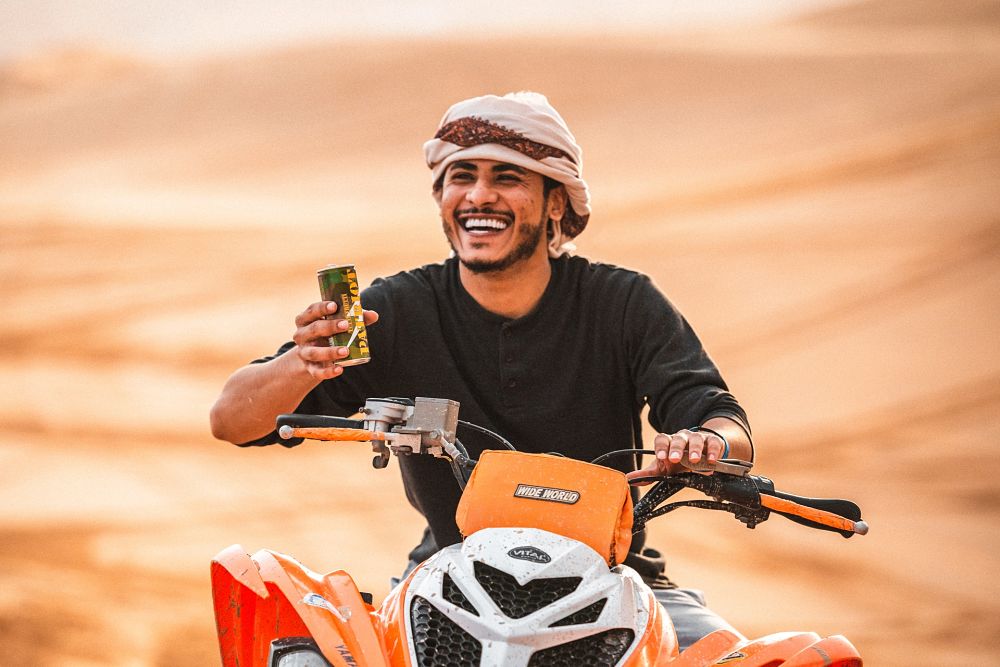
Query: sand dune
{"x": 817, "y": 196}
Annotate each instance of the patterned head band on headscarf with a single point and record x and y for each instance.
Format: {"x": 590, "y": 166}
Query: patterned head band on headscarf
{"x": 521, "y": 129}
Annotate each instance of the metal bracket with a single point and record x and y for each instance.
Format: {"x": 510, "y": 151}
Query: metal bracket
{"x": 382, "y": 415}
{"x": 430, "y": 427}
{"x": 423, "y": 426}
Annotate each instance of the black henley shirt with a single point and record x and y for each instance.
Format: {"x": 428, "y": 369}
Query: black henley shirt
{"x": 572, "y": 376}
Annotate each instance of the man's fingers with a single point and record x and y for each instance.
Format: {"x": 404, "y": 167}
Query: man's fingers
{"x": 661, "y": 445}
{"x": 635, "y": 475}
{"x": 314, "y": 312}
{"x": 318, "y": 354}
{"x": 671, "y": 448}
{"x": 652, "y": 470}
{"x": 678, "y": 443}
{"x": 318, "y": 332}
{"x": 312, "y": 338}
{"x": 713, "y": 447}
{"x": 696, "y": 446}
{"x": 324, "y": 371}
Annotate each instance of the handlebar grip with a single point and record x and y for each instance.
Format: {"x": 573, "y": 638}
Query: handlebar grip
{"x": 317, "y": 421}
{"x": 335, "y": 434}
{"x": 840, "y": 516}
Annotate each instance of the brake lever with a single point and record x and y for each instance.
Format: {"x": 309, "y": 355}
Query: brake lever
{"x": 734, "y": 467}
{"x": 722, "y": 466}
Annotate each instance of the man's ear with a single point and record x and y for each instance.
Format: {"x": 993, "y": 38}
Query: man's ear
{"x": 436, "y": 193}
{"x": 556, "y": 204}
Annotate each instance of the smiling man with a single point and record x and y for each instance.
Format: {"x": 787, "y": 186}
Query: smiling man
{"x": 555, "y": 352}
{"x": 494, "y": 216}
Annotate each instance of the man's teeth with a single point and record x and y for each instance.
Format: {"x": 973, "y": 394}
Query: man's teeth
{"x": 484, "y": 225}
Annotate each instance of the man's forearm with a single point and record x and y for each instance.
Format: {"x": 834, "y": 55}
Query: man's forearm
{"x": 254, "y": 395}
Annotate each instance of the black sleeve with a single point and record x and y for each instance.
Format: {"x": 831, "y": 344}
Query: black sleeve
{"x": 672, "y": 371}
{"x": 345, "y": 395}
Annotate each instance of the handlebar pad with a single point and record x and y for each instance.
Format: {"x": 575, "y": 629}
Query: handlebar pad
{"x": 317, "y": 421}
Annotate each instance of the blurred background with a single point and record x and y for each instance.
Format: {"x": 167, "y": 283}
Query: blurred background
{"x": 809, "y": 181}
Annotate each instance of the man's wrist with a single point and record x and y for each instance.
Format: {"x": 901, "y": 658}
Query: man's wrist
{"x": 725, "y": 443}
{"x": 736, "y": 433}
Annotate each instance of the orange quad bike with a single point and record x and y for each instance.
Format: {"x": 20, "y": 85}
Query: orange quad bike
{"x": 538, "y": 579}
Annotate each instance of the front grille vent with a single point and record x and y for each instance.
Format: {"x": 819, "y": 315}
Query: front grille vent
{"x": 588, "y": 614}
{"x": 440, "y": 642}
{"x": 454, "y": 595}
{"x": 518, "y": 601}
{"x": 600, "y": 650}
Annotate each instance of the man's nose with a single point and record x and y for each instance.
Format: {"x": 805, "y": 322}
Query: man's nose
{"x": 481, "y": 193}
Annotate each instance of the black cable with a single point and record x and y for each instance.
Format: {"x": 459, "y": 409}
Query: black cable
{"x": 495, "y": 436}
{"x": 462, "y": 465}
{"x": 462, "y": 450}
{"x": 622, "y": 452}
{"x": 458, "y": 472}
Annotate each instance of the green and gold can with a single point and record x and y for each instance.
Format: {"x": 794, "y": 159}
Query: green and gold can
{"x": 340, "y": 284}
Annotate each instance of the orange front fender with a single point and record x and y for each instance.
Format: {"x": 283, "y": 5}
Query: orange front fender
{"x": 271, "y": 596}
{"x": 237, "y": 589}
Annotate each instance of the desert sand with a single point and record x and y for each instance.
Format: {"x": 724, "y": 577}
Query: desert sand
{"x": 814, "y": 195}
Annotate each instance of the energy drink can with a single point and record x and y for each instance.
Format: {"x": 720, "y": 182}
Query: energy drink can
{"x": 340, "y": 284}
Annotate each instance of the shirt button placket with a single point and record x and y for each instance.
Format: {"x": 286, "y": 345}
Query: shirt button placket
{"x": 507, "y": 354}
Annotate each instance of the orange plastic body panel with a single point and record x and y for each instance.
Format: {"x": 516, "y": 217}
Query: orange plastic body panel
{"x": 585, "y": 502}
{"x": 262, "y": 598}
{"x": 270, "y": 596}
{"x": 787, "y": 649}
{"x": 709, "y": 650}
{"x": 658, "y": 644}
{"x": 390, "y": 619}
{"x": 833, "y": 651}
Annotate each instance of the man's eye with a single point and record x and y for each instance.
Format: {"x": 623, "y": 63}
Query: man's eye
{"x": 461, "y": 176}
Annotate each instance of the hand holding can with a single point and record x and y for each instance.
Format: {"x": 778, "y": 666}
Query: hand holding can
{"x": 340, "y": 284}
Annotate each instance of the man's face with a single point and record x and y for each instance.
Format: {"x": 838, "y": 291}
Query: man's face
{"x": 495, "y": 213}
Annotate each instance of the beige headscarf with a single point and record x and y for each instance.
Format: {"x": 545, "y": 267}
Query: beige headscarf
{"x": 522, "y": 129}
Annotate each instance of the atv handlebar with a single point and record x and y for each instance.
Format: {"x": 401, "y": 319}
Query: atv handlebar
{"x": 751, "y": 498}
{"x": 428, "y": 426}
{"x": 315, "y": 422}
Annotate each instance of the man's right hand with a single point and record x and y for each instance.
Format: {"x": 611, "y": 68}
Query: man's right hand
{"x": 257, "y": 393}
{"x": 312, "y": 338}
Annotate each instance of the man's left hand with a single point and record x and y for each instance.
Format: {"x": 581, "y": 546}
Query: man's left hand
{"x": 694, "y": 446}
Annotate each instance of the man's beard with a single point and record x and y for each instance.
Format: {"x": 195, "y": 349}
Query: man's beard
{"x": 528, "y": 238}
